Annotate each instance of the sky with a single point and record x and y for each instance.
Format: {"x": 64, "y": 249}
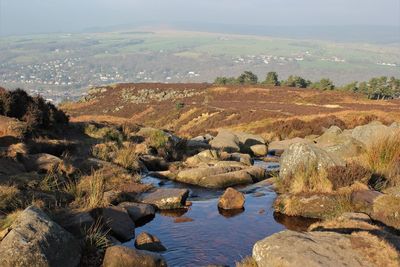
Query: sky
{"x": 43, "y": 16}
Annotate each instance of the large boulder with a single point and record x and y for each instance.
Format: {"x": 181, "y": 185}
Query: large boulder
{"x": 35, "y": 240}
{"x": 231, "y": 199}
{"x": 146, "y": 241}
{"x": 340, "y": 144}
{"x": 278, "y": 147}
{"x": 367, "y": 134}
{"x": 166, "y": 198}
{"x": 303, "y": 154}
{"x": 226, "y": 141}
{"x": 121, "y": 256}
{"x": 246, "y": 141}
{"x": 314, "y": 249}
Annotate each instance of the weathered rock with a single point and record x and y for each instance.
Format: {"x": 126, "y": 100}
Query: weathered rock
{"x": 9, "y": 167}
{"x": 207, "y": 156}
{"x": 290, "y": 249}
{"x": 363, "y": 200}
{"x": 146, "y": 241}
{"x": 246, "y": 141}
{"x": 231, "y": 199}
{"x": 221, "y": 177}
{"x": 35, "y": 240}
{"x": 302, "y": 154}
{"x": 367, "y": 134}
{"x": 226, "y": 141}
{"x": 138, "y": 211}
{"x": 278, "y": 147}
{"x": 78, "y": 223}
{"x": 120, "y": 256}
{"x": 40, "y": 162}
{"x": 259, "y": 150}
{"x": 239, "y": 157}
{"x": 166, "y": 198}
{"x": 119, "y": 222}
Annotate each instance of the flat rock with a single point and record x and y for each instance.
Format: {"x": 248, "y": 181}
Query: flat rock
{"x": 35, "y": 240}
{"x": 40, "y": 162}
{"x": 293, "y": 249}
{"x": 226, "y": 141}
{"x": 121, "y": 256}
{"x": 166, "y": 198}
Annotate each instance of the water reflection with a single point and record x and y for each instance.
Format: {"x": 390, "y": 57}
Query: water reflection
{"x": 230, "y": 213}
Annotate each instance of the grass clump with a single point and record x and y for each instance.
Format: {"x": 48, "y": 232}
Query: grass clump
{"x": 157, "y": 139}
{"x": 309, "y": 179}
{"x": 95, "y": 238}
{"x": 247, "y": 262}
{"x": 10, "y": 198}
{"x": 383, "y": 159}
{"x": 7, "y": 221}
{"x": 127, "y": 158}
{"x": 91, "y": 191}
{"x": 105, "y": 133}
{"x": 105, "y": 151}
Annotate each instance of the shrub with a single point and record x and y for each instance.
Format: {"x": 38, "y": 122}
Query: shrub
{"x": 345, "y": 176}
{"x": 383, "y": 159}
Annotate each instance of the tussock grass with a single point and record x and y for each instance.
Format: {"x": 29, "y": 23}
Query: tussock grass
{"x": 105, "y": 133}
{"x": 105, "y": 151}
{"x": 247, "y": 262}
{"x": 91, "y": 191}
{"x": 95, "y": 237}
{"x": 383, "y": 158}
{"x": 127, "y": 158}
{"x": 307, "y": 179}
{"x": 157, "y": 139}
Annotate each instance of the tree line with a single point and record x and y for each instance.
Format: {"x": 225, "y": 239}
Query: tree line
{"x": 376, "y": 88}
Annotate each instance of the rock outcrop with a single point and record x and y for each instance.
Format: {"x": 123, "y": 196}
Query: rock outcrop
{"x": 35, "y": 240}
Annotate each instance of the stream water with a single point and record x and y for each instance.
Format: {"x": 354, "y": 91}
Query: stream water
{"x": 204, "y": 235}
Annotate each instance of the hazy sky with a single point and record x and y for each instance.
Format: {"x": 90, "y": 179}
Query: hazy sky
{"x": 37, "y": 16}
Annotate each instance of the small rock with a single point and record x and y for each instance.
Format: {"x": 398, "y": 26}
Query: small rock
{"x": 146, "y": 241}
{"x": 259, "y": 150}
{"x": 138, "y": 211}
{"x": 166, "y": 198}
{"x": 183, "y": 219}
{"x": 231, "y": 199}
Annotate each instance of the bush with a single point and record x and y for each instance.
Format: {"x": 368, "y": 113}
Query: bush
{"x": 157, "y": 139}
{"x": 33, "y": 110}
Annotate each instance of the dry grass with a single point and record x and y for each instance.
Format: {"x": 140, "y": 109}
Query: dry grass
{"x": 247, "y": 262}
{"x": 105, "y": 151}
{"x": 9, "y": 219}
{"x": 157, "y": 139}
{"x": 127, "y": 158}
{"x": 9, "y": 198}
{"x": 375, "y": 250}
{"x": 92, "y": 190}
{"x": 383, "y": 158}
{"x": 308, "y": 179}
{"x": 348, "y": 175}
{"x": 95, "y": 238}
{"x": 387, "y": 210}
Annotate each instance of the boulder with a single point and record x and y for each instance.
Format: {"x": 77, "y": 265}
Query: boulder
{"x": 278, "y": 147}
{"x": 226, "y": 141}
{"x": 121, "y": 256}
{"x": 35, "y": 240}
{"x": 119, "y": 222}
{"x": 246, "y": 141}
{"x": 330, "y": 249}
{"x": 40, "y": 162}
{"x": 239, "y": 157}
{"x": 209, "y": 156}
{"x": 78, "y": 223}
{"x": 303, "y": 154}
{"x": 231, "y": 199}
{"x": 138, "y": 211}
{"x": 259, "y": 150}
{"x": 367, "y": 134}
{"x": 166, "y": 198}
{"x": 363, "y": 200}
{"x": 154, "y": 163}
{"x": 8, "y": 168}
{"x": 146, "y": 241}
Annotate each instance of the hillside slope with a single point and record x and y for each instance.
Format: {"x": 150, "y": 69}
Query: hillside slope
{"x": 191, "y": 109}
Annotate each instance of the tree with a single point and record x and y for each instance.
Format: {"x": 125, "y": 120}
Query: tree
{"x": 225, "y": 80}
{"x": 351, "y": 87}
{"x": 297, "y": 81}
{"x": 272, "y": 79}
{"x": 247, "y": 77}
{"x": 323, "y": 84}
